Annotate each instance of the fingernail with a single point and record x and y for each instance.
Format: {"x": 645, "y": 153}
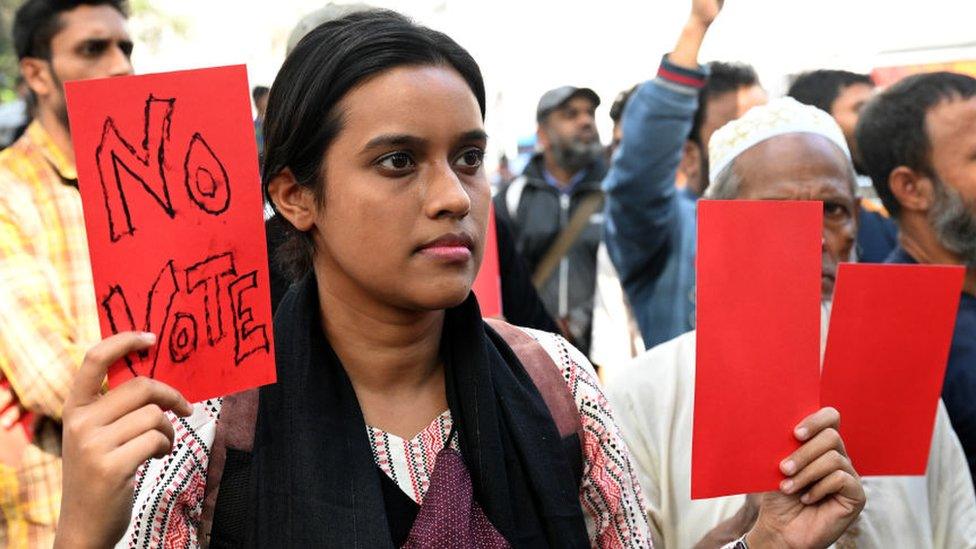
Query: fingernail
{"x": 801, "y": 433}
{"x": 805, "y": 499}
{"x": 788, "y": 467}
{"x": 148, "y": 337}
{"x": 786, "y": 486}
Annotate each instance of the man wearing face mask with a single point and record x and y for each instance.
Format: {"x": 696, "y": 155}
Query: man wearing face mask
{"x": 555, "y": 208}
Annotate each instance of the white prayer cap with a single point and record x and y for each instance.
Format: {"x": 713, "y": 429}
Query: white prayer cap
{"x": 778, "y": 117}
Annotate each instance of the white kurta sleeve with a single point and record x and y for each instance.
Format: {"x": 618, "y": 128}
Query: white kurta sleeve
{"x": 951, "y": 498}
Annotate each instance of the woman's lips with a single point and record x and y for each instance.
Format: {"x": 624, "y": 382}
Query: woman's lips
{"x": 450, "y": 248}
{"x": 448, "y": 253}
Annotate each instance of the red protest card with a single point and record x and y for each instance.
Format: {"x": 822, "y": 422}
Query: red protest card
{"x": 758, "y": 354}
{"x": 488, "y": 284}
{"x": 890, "y": 331}
{"x": 168, "y": 173}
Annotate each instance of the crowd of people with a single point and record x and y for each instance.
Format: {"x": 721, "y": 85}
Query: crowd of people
{"x": 401, "y": 417}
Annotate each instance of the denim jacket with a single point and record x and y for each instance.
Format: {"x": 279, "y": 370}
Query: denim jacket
{"x": 650, "y": 226}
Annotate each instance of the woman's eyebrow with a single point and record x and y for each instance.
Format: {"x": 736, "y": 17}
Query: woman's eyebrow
{"x": 473, "y": 135}
{"x": 407, "y": 140}
{"x": 394, "y": 140}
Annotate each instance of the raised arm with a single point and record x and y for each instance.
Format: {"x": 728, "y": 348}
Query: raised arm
{"x": 640, "y": 184}
{"x": 106, "y": 439}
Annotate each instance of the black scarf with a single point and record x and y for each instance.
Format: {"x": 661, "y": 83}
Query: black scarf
{"x": 314, "y": 480}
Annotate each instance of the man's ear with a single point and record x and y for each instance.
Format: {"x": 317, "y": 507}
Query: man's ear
{"x": 294, "y": 202}
{"x": 913, "y": 190}
{"x": 690, "y": 159}
{"x": 690, "y": 165}
{"x": 37, "y": 75}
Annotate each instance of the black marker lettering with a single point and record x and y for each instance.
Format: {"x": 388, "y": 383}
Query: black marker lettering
{"x": 248, "y": 338}
{"x": 159, "y": 302}
{"x": 205, "y": 177}
{"x": 183, "y": 337}
{"x": 208, "y": 273}
{"x": 114, "y": 155}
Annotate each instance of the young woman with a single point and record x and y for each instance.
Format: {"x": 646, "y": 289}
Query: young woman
{"x": 399, "y": 418}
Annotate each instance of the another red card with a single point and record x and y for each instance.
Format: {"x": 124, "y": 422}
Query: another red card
{"x": 488, "y": 284}
{"x": 758, "y": 353}
{"x": 890, "y": 332}
{"x": 168, "y": 173}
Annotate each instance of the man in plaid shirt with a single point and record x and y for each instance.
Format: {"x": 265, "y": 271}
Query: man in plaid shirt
{"x": 48, "y": 317}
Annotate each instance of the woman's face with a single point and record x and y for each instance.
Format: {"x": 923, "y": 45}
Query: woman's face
{"x": 406, "y": 197}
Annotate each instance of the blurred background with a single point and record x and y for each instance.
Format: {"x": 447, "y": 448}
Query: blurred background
{"x": 527, "y": 47}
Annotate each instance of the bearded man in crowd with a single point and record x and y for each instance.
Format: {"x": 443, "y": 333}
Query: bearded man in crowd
{"x": 558, "y": 198}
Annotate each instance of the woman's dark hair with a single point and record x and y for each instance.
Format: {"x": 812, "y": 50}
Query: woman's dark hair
{"x": 303, "y": 117}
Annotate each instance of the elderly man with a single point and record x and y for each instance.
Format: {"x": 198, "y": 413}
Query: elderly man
{"x": 782, "y": 151}
{"x": 917, "y": 141}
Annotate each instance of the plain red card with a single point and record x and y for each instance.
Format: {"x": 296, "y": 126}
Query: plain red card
{"x": 758, "y": 353}
{"x": 488, "y": 284}
{"x": 890, "y": 331}
{"x": 168, "y": 173}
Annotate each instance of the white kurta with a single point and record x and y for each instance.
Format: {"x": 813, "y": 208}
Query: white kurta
{"x": 653, "y": 401}
{"x": 615, "y": 339}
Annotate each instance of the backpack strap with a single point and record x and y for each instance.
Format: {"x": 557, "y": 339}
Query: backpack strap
{"x": 545, "y": 375}
{"x": 235, "y": 431}
{"x": 566, "y": 238}
{"x": 513, "y": 195}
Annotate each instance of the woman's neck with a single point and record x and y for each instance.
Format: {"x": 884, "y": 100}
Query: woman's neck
{"x": 391, "y": 355}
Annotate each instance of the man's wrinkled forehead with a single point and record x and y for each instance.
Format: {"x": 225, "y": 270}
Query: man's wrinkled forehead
{"x": 801, "y": 166}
